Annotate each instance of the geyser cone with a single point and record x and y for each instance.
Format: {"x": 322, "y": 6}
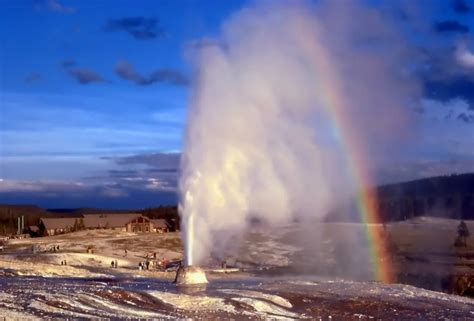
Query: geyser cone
{"x": 190, "y": 275}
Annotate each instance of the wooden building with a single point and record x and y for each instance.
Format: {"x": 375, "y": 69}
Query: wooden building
{"x": 126, "y": 222}
{"x": 52, "y": 226}
{"x": 140, "y": 224}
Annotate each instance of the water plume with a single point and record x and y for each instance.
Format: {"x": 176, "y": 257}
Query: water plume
{"x": 278, "y": 107}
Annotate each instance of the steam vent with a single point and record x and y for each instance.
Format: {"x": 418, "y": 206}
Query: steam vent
{"x": 190, "y": 275}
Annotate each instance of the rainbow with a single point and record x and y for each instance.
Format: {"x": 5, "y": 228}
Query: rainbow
{"x": 333, "y": 100}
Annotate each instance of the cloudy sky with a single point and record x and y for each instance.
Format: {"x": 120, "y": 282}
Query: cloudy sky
{"x": 93, "y": 95}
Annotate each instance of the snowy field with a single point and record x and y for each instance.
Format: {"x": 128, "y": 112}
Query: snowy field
{"x": 295, "y": 271}
{"x": 246, "y": 298}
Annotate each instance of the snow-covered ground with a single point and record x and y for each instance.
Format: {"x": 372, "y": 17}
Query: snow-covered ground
{"x": 246, "y": 298}
{"x": 35, "y": 257}
{"x": 280, "y": 266}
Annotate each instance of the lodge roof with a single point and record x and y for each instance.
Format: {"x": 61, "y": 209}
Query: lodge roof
{"x": 160, "y": 223}
{"x": 53, "y": 223}
{"x": 109, "y": 220}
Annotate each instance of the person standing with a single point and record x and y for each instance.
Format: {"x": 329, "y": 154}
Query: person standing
{"x": 463, "y": 233}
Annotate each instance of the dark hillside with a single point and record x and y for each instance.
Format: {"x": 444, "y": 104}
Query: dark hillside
{"x": 10, "y": 213}
{"x": 444, "y": 196}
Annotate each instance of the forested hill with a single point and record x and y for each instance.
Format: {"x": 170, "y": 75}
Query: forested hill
{"x": 9, "y": 214}
{"x": 440, "y": 185}
{"x": 443, "y": 196}
{"x": 32, "y": 214}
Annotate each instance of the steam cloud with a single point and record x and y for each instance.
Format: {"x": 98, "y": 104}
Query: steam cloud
{"x": 260, "y": 139}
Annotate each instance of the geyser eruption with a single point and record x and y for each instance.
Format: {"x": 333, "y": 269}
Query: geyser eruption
{"x": 281, "y": 102}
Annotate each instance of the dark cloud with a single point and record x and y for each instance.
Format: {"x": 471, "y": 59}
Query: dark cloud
{"x": 153, "y": 160}
{"x": 460, "y": 6}
{"x": 458, "y": 86}
{"x": 450, "y": 26}
{"x": 85, "y": 76}
{"x": 143, "y": 172}
{"x": 137, "y": 181}
{"x": 444, "y": 78}
{"x": 125, "y": 70}
{"x": 139, "y": 27}
{"x": 114, "y": 196}
{"x": 162, "y": 170}
{"x": 33, "y": 77}
{"x": 467, "y": 118}
{"x": 122, "y": 173}
{"x": 67, "y": 63}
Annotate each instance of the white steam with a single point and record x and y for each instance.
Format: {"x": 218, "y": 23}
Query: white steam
{"x": 261, "y": 140}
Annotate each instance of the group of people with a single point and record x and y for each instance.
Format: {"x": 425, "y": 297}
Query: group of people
{"x": 114, "y": 264}
{"x": 54, "y": 248}
{"x": 150, "y": 263}
{"x": 145, "y": 265}
{"x": 63, "y": 262}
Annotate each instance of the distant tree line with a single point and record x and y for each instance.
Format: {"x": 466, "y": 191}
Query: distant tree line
{"x": 32, "y": 214}
{"x": 444, "y": 196}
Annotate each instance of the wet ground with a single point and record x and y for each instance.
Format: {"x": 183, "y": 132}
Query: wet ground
{"x": 238, "y": 298}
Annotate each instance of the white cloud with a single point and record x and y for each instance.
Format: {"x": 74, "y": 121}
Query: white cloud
{"x": 435, "y": 110}
{"x": 464, "y": 57}
{"x": 37, "y": 186}
{"x": 113, "y": 192}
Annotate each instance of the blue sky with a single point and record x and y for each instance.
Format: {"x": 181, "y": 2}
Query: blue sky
{"x": 93, "y": 95}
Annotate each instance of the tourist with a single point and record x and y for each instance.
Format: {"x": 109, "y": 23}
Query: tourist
{"x": 463, "y": 233}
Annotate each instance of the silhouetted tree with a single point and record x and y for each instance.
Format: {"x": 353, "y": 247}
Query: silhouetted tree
{"x": 75, "y": 227}
{"x": 81, "y": 226}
